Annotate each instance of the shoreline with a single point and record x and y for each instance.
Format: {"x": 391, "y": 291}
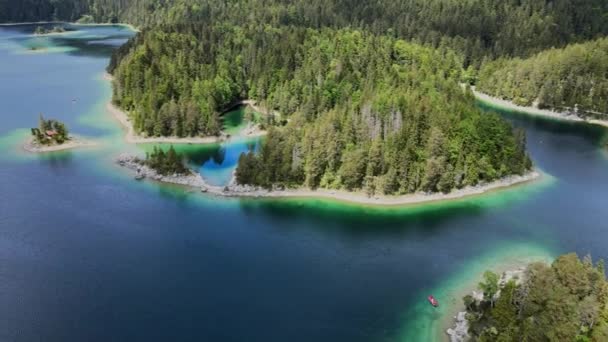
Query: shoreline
{"x": 133, "y": 28}
{"x": 196, "y": 181}
{"x": 387, "y": 200}
{"x": 133, "y": 138}
{"x": 51, "y": 34}
{"x": 512, "y": 264}
{"x": 74, "y": 142}
{"x": 454, "y": 327}
{"x": 505, "y": 104}
{"x": 129, "y": 26}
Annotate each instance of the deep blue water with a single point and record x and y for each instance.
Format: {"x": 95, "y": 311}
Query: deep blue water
{"x": 88, "y": 254}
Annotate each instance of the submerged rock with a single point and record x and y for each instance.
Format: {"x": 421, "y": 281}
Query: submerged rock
{"x": 143, "y": 171}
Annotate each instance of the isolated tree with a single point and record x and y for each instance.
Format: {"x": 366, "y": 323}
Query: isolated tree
{"x": 489, "y": 286}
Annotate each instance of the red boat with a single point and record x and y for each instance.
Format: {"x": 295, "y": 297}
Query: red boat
{"x": 433, "y": 301}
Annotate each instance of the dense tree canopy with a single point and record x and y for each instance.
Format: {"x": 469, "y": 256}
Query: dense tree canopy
{"x": 140, "y": 12}
{"x": 378, "y": 114}
{"x": 476, "y": 28}
{"x": 559, "y": 78}
{"x": 166, "y": 163}
{"x": 365, "y": 111}
{"x": 566, "y": 301}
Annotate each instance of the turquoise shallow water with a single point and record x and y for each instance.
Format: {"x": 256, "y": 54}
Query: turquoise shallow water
{"x": 86, "y": 253}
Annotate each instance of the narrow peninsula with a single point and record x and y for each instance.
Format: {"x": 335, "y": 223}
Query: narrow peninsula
{"x": 169, "y": 167}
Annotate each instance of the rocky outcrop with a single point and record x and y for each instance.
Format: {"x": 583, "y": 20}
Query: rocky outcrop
{"x": 233, "y": 189}
{"x": 191, "y": 179}
{"x": 143, "y": 171}
{"x": 460, "y": 331}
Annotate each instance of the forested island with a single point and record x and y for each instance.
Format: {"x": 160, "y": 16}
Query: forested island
{"x": 365, "y": 111}
{"x": 369, "y": 97}
{"x": 564, "y": 301}
{"x": 52, "y": 135}
{"x": 49, "y": 132}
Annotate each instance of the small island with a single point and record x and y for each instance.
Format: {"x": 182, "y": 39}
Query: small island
{"x": 564, "y": 301}
{"x": 41, "y": 30}
{"x": 52, "y": 135}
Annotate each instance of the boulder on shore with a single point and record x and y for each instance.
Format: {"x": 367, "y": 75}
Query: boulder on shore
{"x": 460, "y": 331}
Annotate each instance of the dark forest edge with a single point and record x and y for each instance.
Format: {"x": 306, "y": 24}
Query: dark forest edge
{"x": 477, "y": 28}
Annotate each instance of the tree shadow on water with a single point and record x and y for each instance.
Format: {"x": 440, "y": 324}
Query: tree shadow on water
{"x": 60, "y": 160}
{"x": 362, "y": 221}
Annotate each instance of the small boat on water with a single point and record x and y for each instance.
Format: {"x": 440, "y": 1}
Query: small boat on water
{"x": 433, "y": 301}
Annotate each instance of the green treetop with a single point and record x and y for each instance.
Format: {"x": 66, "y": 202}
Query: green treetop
{"x": 564, "y": 301}
{"x": 50, "y": 132}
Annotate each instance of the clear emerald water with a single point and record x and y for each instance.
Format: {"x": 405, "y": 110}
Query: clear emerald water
{"x": 216, "y": 162}
{"x": 89, "y": 254}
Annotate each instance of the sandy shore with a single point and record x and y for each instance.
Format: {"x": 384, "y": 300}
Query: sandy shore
{"x": 195, "y": 181}
{"x": 533, "y": 110}
{"x": 133, "y": 138}
{"x": 74, "y": 142}
{"x": 131, "y": 27}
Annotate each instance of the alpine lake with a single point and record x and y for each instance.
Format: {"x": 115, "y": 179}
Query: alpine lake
{"x": 89, "y": 254}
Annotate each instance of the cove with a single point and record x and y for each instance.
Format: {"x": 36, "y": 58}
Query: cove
{"x": 86, "y": 253}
